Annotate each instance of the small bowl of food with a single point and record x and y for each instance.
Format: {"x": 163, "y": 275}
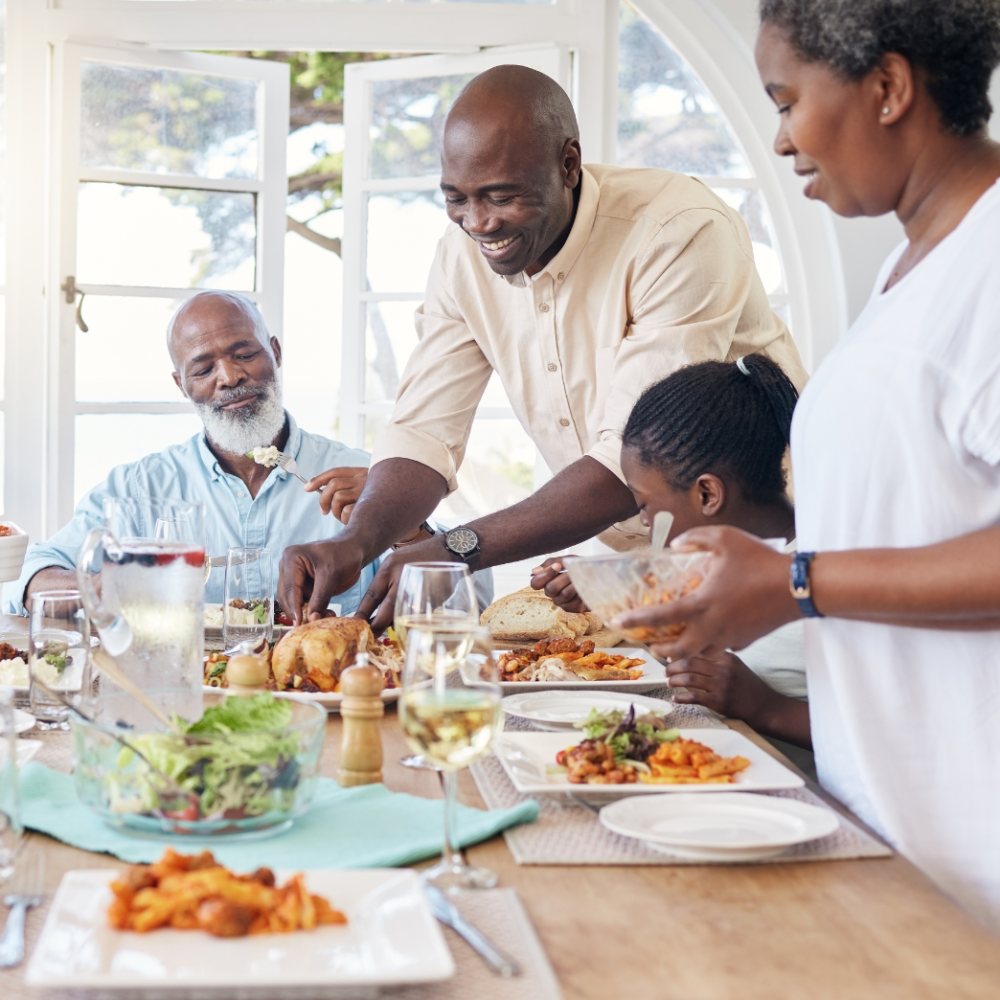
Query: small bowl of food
{"x": 13, "y": 544}
{"x": 619, "y": 582}
{"x": 247, "y": 768}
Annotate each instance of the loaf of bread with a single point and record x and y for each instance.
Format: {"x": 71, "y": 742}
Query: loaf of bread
{"x": 317, "y": 653}
{"x": 529, "y": 615}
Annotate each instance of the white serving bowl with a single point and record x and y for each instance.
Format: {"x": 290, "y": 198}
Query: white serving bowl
{"x": 12, "y": 549}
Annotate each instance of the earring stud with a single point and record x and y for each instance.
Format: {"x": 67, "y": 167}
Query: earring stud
{"x": 885, "y": 111}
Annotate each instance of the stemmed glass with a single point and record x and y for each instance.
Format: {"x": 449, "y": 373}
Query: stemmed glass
{"x": 451, "y": 724}
{"x": 11, "y": 830}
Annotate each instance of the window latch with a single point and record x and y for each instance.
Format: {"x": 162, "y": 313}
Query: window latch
{"x": 72, "y": 291}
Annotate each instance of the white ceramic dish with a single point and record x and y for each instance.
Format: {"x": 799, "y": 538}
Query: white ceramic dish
{"x": 654, "y": 676}
{"x": 330, "y": 701}
{"x": 12, "y": 549}
{"x": 72, "y": 676}
{"x": 390, "y": 939}
{"x": 530, "y": 762}
{"x": 726, "y": 827}
{"x": 559, "y": 711}
{"x": 23, "y": 721}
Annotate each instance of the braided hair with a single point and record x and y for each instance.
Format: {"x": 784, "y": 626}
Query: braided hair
{"x": 732, "y": 417}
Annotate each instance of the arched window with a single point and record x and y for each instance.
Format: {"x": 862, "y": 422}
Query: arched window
{"x": 668, "y": 119}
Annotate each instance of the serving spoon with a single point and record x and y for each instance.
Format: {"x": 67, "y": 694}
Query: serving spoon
{"x": 663, "y": 521}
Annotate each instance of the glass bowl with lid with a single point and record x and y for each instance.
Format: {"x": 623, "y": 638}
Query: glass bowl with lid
{"x": 251, "y": 781}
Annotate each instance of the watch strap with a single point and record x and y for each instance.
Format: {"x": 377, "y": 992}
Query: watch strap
{"x": 464, "y": 556}
{"x": 799, "y": 583}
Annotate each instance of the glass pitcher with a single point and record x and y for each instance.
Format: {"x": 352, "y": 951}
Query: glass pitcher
{"x": 142, "y": 578}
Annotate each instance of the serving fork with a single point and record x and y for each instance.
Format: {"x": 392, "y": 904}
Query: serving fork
{"x": 31, "y": 883}
{"x": 288, "y": 464}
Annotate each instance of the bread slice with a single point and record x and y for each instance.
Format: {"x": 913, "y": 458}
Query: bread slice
{"x": 528, "y": 615}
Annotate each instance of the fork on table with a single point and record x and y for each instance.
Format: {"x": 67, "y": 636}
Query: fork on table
{"x": 288, "y": 464}
{"x": 28, "y": 888}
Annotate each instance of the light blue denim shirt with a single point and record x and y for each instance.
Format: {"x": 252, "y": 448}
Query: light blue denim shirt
{"x": 280, "y": 515}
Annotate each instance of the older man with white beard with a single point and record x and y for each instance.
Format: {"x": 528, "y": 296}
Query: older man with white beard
{"x": 227, "y": 364}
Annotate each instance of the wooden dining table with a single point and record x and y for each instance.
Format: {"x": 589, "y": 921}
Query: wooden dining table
{"x": 844, "y": 930}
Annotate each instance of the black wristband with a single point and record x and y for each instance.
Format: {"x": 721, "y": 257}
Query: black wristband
{"x": 798, "y": 581}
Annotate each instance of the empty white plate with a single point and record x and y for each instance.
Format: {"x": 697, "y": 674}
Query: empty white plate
{"x": 557, "y": 710}
{"x": 724, "y": 827}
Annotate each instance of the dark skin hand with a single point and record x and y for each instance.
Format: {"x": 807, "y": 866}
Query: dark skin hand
{"x": 860, "y": 161}
{"x": 339, "y": 490}
{"x": 508, "y": 178}
{"x": 711, "y": 499}
{"x": 728, "y": 686}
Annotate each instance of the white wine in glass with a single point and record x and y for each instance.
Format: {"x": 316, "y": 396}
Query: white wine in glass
{"x": 451, "y": 726}
{"x": 432, "y": 594}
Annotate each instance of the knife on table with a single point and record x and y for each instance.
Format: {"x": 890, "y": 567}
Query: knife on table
{"x": 448, "y": 913}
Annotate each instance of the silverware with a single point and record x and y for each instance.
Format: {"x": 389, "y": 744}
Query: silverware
{"x": 288, "y": 464}
{"x": 448, "y": 913}
{"x": 663, "y": 521}
{"x": 581, "y": 801}
{"x": 32, "y": 887}
{"x": 217, "y": 561}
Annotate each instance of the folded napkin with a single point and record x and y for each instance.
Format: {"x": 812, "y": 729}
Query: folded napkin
{"x": 363, "y": 827}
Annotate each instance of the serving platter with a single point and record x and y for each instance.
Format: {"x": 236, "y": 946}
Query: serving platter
{"x": 654, "y": 676}
{"x": 559, "y": 711}
{"x": 530, "y": 762}
{"x": 726, "y": 827}
{"x": 330, "y": 700}
{"x": 391, "y": 939}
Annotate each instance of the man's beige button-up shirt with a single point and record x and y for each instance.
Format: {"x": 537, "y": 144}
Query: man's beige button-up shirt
{"x": 657, "y": 273}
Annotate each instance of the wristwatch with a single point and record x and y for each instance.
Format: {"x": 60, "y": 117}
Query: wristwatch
{"x": 798, "y": 581}
{"x": 462, "y": 542}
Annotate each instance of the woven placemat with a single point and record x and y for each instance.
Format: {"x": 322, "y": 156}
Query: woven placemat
{"x": 568, "y": 833}
{"x": 498, "y": 913}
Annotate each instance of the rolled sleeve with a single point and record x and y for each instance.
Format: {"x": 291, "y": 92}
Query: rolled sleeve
{"x": 688, "y": 293}
{"x": 441, "y": 387}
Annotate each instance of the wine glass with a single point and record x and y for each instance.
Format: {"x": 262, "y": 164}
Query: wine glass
{"x": 11, "y": 830}
{"x": 451, "y": 725}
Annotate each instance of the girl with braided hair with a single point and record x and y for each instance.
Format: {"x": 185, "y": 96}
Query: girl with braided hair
{"x": 707, "y": 444}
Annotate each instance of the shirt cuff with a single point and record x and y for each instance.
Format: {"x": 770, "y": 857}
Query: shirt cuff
{"x": 608, "y": 451}
{"x": 397, "y": 441}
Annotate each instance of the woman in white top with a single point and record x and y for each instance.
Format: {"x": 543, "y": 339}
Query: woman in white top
{"x": 896, "y": 441}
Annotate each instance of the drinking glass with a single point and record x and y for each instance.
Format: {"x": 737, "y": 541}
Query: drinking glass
{"x": 432, "y": 595}
{"x": 11, "y": 831}
{"x": 248, "y": 595}
{"x": 451, "y": 724}
{"x": 58, "y": 654}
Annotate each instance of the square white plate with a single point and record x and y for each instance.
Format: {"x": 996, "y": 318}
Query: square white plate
{"x": 391, "y": 938}
{"x": 654, "y": 676}
{"x": 560, "y": 711}
{"x": 527, "y": 758}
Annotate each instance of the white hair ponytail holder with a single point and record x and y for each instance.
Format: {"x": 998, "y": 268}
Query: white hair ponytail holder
{"x": 741, "y": 364}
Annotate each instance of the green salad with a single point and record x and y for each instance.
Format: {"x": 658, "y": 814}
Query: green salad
{"x": 632, "y": 737}
{"x": 233, "y": 763}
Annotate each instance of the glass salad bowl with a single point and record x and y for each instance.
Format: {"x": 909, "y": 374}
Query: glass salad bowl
{"x": 246, "y": 769}
{"x": 618, "y": 582}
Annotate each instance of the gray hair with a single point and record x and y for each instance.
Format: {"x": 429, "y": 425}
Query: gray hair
{"x": 249, "y": 310}
{"x": 956, "y": 43}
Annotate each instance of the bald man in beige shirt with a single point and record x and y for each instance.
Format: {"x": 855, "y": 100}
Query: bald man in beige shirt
{"x": 580, "y": 286}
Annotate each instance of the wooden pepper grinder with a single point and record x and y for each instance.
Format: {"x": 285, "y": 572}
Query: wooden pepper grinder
{"x": 361, "y": 709}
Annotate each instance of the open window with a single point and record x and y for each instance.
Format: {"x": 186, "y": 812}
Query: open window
{"x": 394, "y": 215}
{"x": 172, "y": 181}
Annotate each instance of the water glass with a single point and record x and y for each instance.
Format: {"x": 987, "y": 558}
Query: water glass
{"x": 11, "y": 831}
{"x": 58, "y": 654}
{"x": 248, "y": 608}
{"x": 451, "y": 724}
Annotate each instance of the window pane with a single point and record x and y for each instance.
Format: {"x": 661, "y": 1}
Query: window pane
{"x": 3, "y": 343}
{"x": 753, "y": 208}
{"x": 3, "y": 140}
{"x": 167, "y": 237}
{"x": 167, "y": 121}
{"x": 666, "y": 118}
{"x": 2, "y": 463}
{"x": 122, "y": 329}
{"x": 407, "y": 124}
{"x": 104, "y": 440}
{"x": 403, "y": 234}
{"x": 390, "y": 340}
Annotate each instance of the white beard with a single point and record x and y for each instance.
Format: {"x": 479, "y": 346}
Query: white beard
{"x": 240, "y": 431}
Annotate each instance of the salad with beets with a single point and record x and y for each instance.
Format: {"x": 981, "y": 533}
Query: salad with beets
{"x": 234, "y": 763}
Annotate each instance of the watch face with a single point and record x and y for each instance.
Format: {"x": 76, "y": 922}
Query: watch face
{"x": 462, "y": 541}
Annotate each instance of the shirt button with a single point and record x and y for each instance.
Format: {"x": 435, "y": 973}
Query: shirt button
{"x": 560, "y": 276}
{"x": 544, "y": 307}
{"x": 564, "y": 422}
{"x": 241, "y": 494}
{"x": 553, "y": 368}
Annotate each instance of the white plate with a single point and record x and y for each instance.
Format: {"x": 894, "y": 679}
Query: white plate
{"x": 72, "y": 675}
{"x": 729, "y": 827}
{"x": 560, "y": 710}
{"x": 329, "y": 700}
{"x": 391, "y": 938}
{"x": 23, "y": 721}
{"x": 654, "y": 676}
{"x": 528, "y": 757}
{"x": 26, "y": 749}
